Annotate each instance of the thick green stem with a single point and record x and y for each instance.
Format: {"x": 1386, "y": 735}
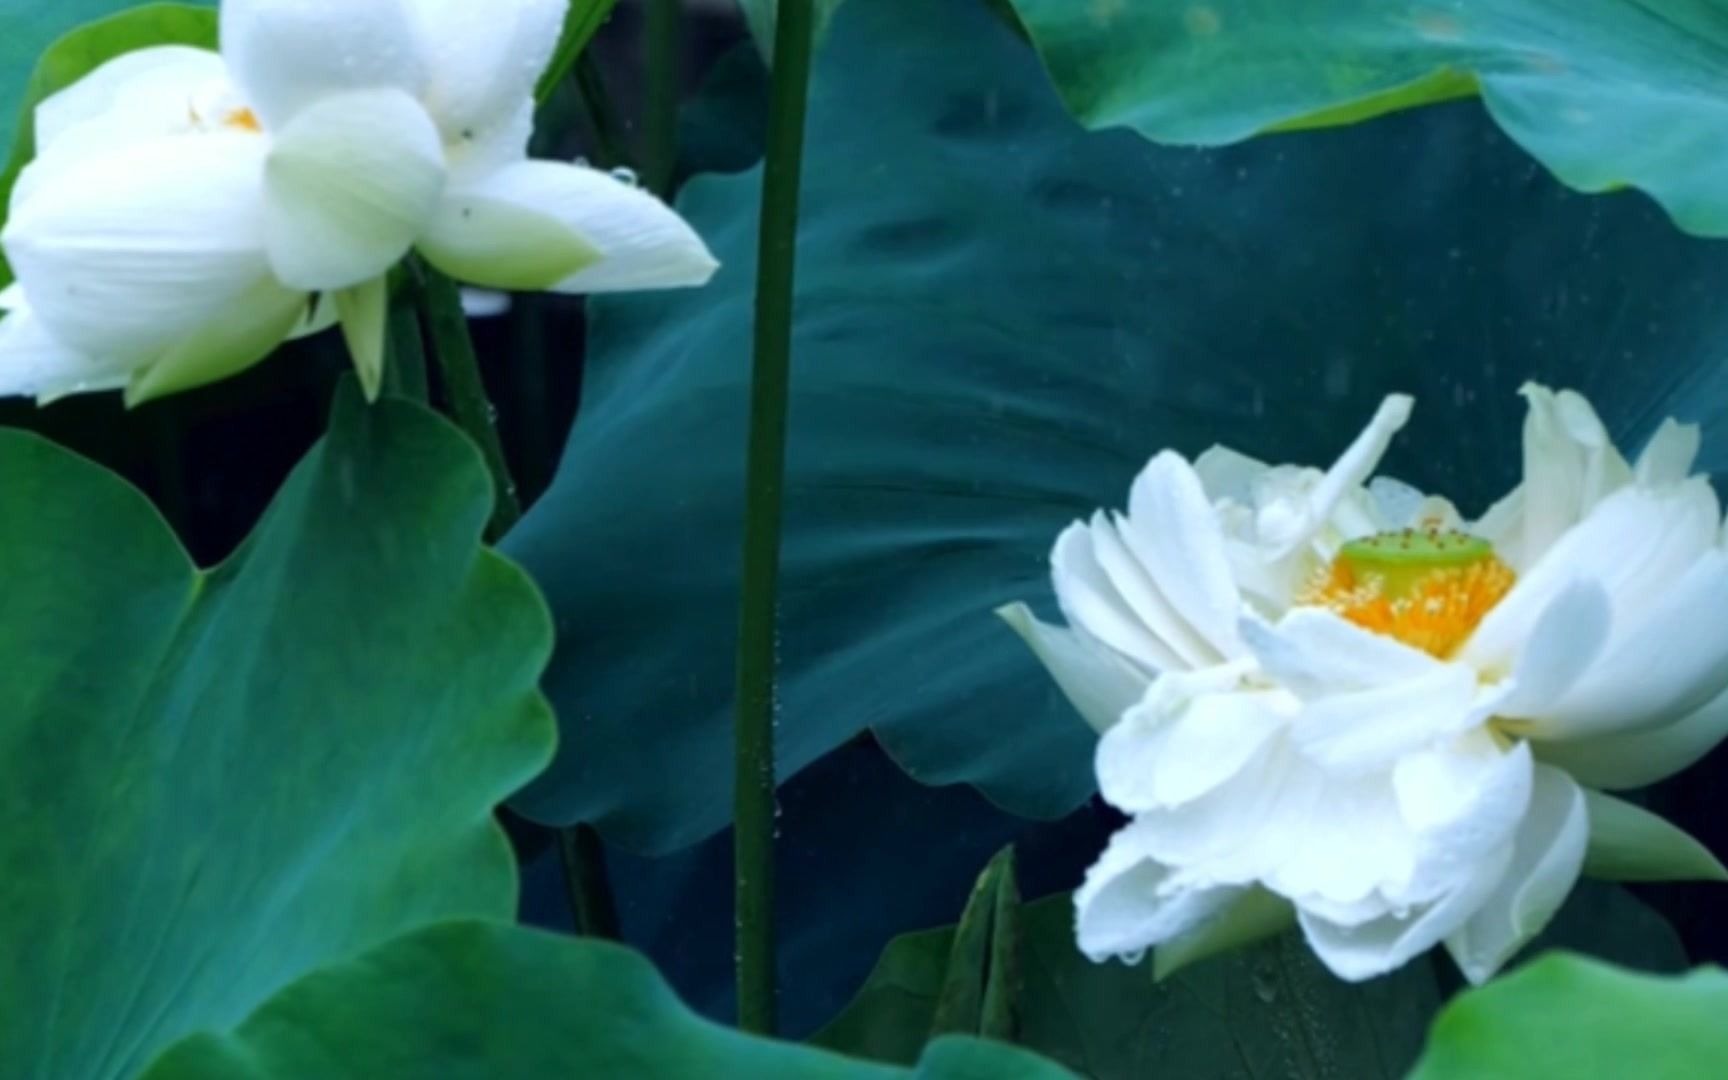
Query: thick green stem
{"x": 465, "y": 394}
{"x": 584, "y": 861}
{"x": 405, "y": 356}
{"x": 753, "y": 812}
{"x": 665, "y": 63}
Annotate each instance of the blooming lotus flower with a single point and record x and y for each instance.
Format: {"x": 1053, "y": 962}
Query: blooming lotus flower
{"x": 1334, "y": 698}
{"x": 188, "y": 211}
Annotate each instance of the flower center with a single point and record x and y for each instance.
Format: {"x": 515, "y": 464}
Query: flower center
{"x": 243, "y": 118}
{"x": 1426, "y": 588}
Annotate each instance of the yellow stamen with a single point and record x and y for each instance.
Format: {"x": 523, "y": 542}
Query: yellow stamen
{"x": 1428, "y": 588}
{"x": 242, "y": 118}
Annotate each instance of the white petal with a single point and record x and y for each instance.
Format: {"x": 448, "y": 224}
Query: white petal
{"x": 1111, "y": 540}
{"x": 1343, "y": 850}
{"x": 349, "y": 184}
{"x": 1091, "y": 603}
{"x": 1667, "y": 663}
{"x": 1375, "y": 947}
{"x": 135, "y": 95}
{"x": 1638, "y": 758}
{"x": 1228, "y": 474}
{"x": 1172, "y": 530}
{"x": 1099, "y": 684}
{"x": 1570, "y": 465}
{"x": 1365, "y": 731}
{"x": 1667, "y": 458}
{"x": 1463, "y": 801}
{"x": 1189, "y": 734}
{"x": 1247, "y": 828}
{"x": 1567, "y": 638}
{"x": 125, "y": 257}
{"x": 35, "y": 363}
{"x": 229, "y": 342}
{"x": 363, "y": 310}
{"x": 1124, "y": 908}
{"x": 1634, "y": 544}
{"x": 1315, "y": 652}
{"x": 482, "y": 60}
{"x": 1245, "y": 919}
{"x": 1546, "y": 860}
{"x": 1287, "y": 526}
{"x": 288, "y": 54}
{"x": 1503, "y": 527}
{"x": 568, "y": 228}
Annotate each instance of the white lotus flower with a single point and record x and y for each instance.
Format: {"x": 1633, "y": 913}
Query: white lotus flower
{"x": 186, "y": 209}
{"x": 1344, "y": 696}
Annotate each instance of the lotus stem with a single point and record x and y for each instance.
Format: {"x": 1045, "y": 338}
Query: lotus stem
{"x": 765, "y": 469}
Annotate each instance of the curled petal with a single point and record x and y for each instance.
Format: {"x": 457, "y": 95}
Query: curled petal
{"x": 536, "y": 225}
{"x": 1547, "y": 856}
{"x": 1377, "y": 946}
{"x": 1315, "y": 652}
{"x": 1568, "y": 637}
{"x": 349, "y": 184}
{"x": 1126, "y": 907}
{"x": 1463, "y": 802}
{"x": 1570, "y": 465}
{"x": 1638, "y": 758}
{"x": 288, "y": 54}
{"x": 1668, "y": 663}
{"x": 1635, "y": 544}
{"x": 1091, "y": 601}
{"x": 1189, "y": 734}
{"x": 1174, "y": 533}
{"x": 1288, "y": 524}
{"x": 1096, "y": 681}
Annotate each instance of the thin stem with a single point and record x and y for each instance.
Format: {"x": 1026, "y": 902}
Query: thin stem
{"x": 582, "y": 20}
{"x": 441, "y": 305}
{"x": 584, "y": 860}
{"x": 665, "y": 62}
{"x": 405, "y": 359}
{"x": 465, "y": 393}
{"x": 753, "y": 812}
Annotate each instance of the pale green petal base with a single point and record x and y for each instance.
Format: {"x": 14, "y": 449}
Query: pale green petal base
{"x": 1629, "y": 843}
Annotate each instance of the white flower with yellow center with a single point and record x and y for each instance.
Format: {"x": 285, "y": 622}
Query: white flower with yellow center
{"x": 186, "y": 210}
{"x": 1335, "y": 698}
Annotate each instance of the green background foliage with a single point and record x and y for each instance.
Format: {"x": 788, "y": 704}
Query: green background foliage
{"x": 470, "y": 1000}
{"x": 1606, "y": 93}
{"x": 1565, "y": 1015}
{"x": 1270, "y": 1011}
{"x": 216, "y": 782}
{"x": 1001, "y": 317}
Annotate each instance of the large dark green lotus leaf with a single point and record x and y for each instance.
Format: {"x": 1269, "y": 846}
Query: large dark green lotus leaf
{"x": 1270, "y": 1011}
{"x": 1606, "y": 93}
{"x": 43, "y": 49}
{"x": 1568, "y": 1016}
{"x": 1001, "y": 318}
{"x": 215, "y": 782}
{"x": 475, "y": 1000}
